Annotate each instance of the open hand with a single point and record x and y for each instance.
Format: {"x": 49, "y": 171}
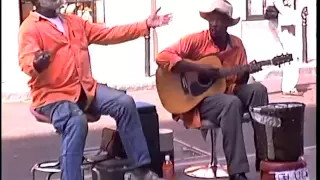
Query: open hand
{"x": 156, "y": 20}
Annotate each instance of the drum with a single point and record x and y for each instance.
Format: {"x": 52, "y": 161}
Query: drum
{"x": 284, "y": 170}
{"x": 278, "y": 130}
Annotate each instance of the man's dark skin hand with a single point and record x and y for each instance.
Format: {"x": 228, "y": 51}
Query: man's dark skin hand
{"x": 41, "y": 60}
{"x": 255, "y": 67}
{"x": 204, "y": 69}
{"x": 211, "y": 72}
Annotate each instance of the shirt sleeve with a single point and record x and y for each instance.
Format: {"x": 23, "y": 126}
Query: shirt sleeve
{"x": 241, "y": 78}
{"x": 184, "y": 48}
{"x": 99, "y": 34}
{"x": 28, "y": 46}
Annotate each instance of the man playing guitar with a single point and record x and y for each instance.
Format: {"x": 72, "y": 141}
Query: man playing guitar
{"x": 226, "y": 109}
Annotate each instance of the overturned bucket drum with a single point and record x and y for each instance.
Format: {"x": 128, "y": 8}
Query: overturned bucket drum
{"x": 278, "y": 131}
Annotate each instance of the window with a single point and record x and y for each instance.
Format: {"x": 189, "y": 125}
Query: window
{"x": 25, "y": 8}
{"x": 91, "y": 10}
{"x": 255, "y": 9}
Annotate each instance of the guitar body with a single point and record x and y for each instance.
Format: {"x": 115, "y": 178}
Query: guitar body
{"x": 180, "y": 93}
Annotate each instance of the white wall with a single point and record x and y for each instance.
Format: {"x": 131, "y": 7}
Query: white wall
{"x": 12, "y": 77}
{"x": 124, "y": 63}
{"x": 260, "y": 43}
{"x": 117, "y": 63}
{"x": 312, "y": 28}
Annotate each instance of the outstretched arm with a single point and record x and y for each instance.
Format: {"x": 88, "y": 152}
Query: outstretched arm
{"x": 98, "y": 34}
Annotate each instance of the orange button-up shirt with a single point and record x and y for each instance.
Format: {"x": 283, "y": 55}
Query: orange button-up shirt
{"x": 194, "y": 47}
{"x": 69, "y": 69}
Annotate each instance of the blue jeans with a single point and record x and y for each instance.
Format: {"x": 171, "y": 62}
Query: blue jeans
{"x": 70, "y": 121}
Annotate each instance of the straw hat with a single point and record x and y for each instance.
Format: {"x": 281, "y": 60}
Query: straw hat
{"x": 222, "y": 6}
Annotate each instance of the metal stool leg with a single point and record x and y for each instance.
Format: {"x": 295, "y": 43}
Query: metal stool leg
{"x": 49, "y": 176}
{"x": 95, "y": 170}
{"x": 212, "y": 170}
{"x": 218, "y": 170}
{"x": 214, "y": 159}
{"x": 82, "y": 174}
{"x": 33, "y": 171}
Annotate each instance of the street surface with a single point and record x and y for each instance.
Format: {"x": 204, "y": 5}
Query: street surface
{"x": 25, "y": 141}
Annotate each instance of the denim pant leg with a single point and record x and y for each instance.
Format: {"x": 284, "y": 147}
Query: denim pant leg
{"x": 70, "y": 121}
{"x": 122, "y": 108}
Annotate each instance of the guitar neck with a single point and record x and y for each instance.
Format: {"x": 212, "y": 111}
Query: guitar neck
{"x": 242, "y": 68}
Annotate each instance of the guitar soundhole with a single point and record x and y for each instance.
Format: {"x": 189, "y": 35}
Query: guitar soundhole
{"x": 204, "y": 80}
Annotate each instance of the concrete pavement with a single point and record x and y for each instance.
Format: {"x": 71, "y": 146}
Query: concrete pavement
{"x": 25, "y": 141}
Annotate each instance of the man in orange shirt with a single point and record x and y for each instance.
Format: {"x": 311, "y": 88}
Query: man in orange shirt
{"x": 225, "y": 110}
{"x": 53, "y": 51}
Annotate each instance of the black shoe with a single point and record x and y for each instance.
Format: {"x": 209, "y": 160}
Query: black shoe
{"x": 241, "y": 176}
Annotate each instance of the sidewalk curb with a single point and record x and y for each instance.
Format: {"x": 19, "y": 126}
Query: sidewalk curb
{"x": 8, "y": 97}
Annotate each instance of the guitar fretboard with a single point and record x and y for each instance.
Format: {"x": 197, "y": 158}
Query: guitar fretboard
{"x": 242, "y": 68}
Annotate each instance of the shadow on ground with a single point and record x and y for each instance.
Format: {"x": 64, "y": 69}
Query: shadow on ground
{"x": 19, "y": 155}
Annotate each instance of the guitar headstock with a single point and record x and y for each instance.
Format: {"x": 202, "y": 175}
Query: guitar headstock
{"x": 281, "y": 59}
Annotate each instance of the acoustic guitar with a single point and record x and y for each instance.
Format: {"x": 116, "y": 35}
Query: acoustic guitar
{"x": 179, "y": 93}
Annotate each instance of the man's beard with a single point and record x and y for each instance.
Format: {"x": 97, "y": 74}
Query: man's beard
{"x": 51, "y": 4}
{"x": 216, "y": 33}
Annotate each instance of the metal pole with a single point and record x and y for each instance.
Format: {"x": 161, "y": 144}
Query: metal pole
{"x": 304, "y": 15}
{"x": 147, "y": 44}
{"x": 147, "y": 55}
{"x": 104, "y": 11}
{"x": 154, "y": 32}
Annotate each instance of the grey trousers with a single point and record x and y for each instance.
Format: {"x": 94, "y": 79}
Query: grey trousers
{"x": 226, "y": 111}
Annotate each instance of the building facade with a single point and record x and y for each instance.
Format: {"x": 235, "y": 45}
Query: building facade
{"x": 124, "y": 63}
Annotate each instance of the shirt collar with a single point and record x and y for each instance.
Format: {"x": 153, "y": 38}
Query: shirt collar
{"x": 34, "y": 15}
{"x": 37, "y": 17}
